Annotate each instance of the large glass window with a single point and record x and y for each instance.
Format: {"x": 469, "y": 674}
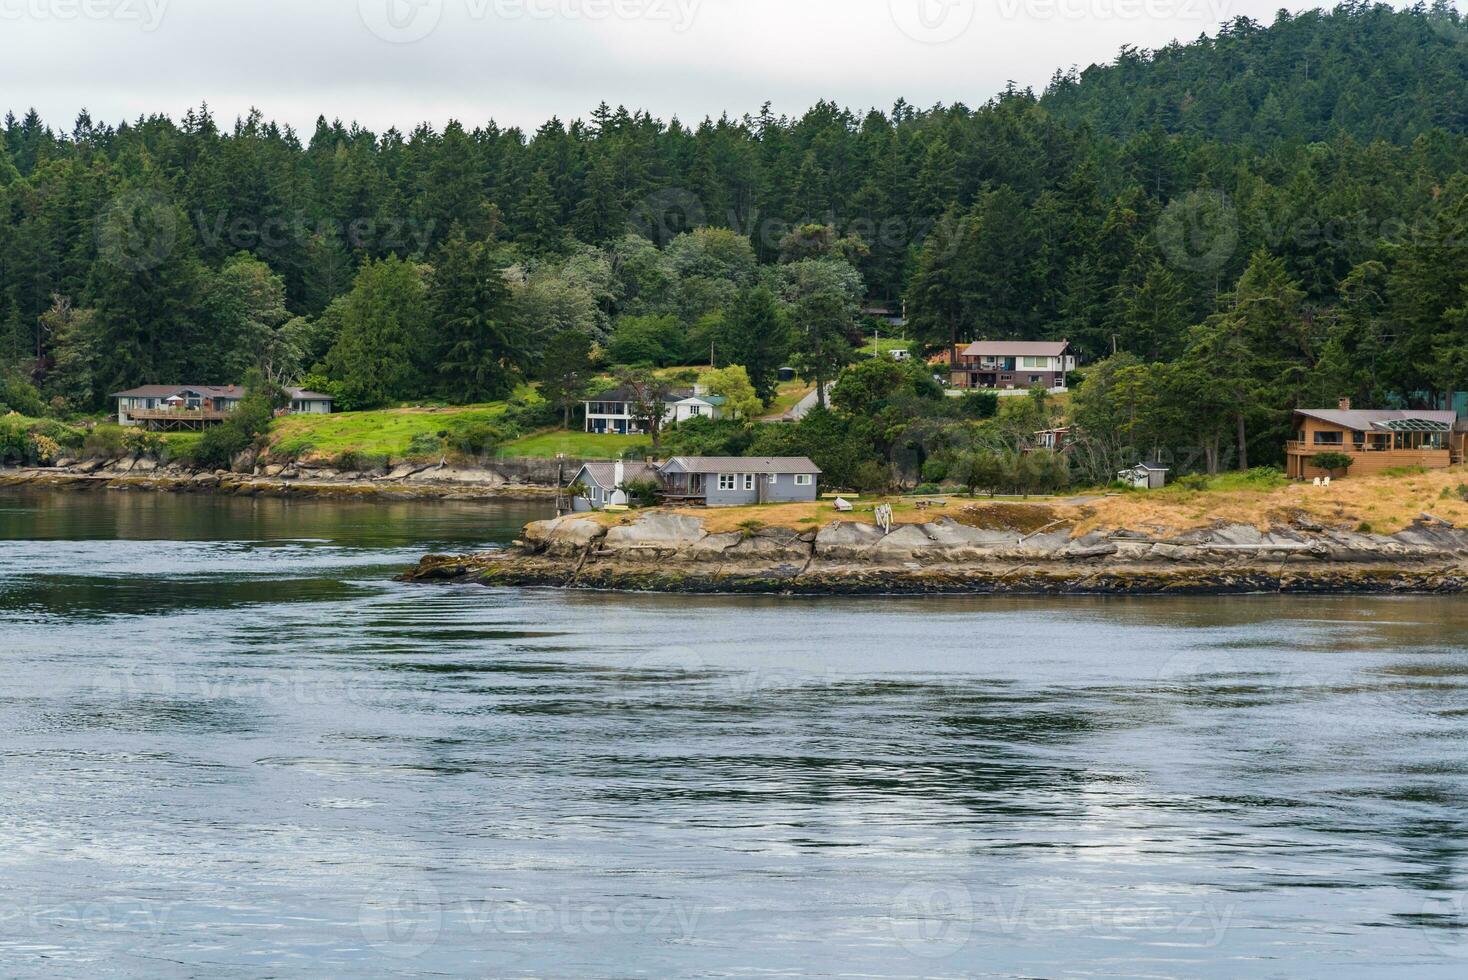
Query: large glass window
{"x": 1330, "y": 439}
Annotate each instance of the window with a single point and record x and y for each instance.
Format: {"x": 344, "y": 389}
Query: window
{"x": 726, "y": 481}
{"x": 774, "y": 479}
{"x": 804, "y": 480}
{"x": 1034, "y": 363}
{"x": 749, "y": 481}
{"x": 1035, "y": 379}
{"x": 1330, "y": 439}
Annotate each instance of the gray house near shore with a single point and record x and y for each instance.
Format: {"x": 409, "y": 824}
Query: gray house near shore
{"x": 704, "y": 481}
{"x": 730, "y": 481}
{"x": 604, "y": 482}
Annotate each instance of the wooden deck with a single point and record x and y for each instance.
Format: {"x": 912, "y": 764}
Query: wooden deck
{"x": 1366, "y": 462}
{"x": 176, "y": 419}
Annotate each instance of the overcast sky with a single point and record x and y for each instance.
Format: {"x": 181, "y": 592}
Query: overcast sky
{"x": 398, "y": 62}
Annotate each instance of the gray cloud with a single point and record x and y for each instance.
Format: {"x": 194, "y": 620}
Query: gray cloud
{"x": 399, "y": 62}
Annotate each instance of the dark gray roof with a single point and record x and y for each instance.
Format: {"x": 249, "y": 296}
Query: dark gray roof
{"x": 1361, "y": 420}
{"x": 210, "y": 391}
{"x": 626, "y": 395}
{"x": 743, "y": 464}
{"x": 604, "y": 474}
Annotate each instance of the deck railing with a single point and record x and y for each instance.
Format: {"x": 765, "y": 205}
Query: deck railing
{"x": 176, "y": 414}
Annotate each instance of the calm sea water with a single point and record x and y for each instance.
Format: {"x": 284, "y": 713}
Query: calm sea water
{"x": 233, "y": 747}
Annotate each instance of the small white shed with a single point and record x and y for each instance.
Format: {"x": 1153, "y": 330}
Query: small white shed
{"x": 1144, "y": 476}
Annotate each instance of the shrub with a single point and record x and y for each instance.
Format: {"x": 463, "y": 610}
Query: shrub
{"x": 104, "y": 442}
{"x": 44, "y": 448}
{"x": 935, "y": 470}
{"x": 872, "y": 477}
{"x": 928, "y": 490}
{"x": 980, "y": 404}
{"x": 425, "y": 445}
{"x": 529, "y": 415}
{"x": 19, "y": 395}
{"x": 703, "y": 436}
{"x": 218, "y": 447}
{"x": 478, "y": 438}
{"x": 642, "y": 493}
{"x": 1193, "y": 482}
{"x": 1331, "y": 463}
{"x": 142, "y": 442}
{"x": 749, "y": 528}
{"x": 353, "y": 461}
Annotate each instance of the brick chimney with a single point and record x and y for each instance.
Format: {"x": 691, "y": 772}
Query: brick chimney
{"x": 1345, "y": 404}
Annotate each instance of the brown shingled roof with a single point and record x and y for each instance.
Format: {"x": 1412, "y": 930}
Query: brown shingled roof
{"x": 1018, "y": 348}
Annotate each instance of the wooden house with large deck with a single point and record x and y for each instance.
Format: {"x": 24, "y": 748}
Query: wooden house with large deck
{"x": 1374, "y": 440}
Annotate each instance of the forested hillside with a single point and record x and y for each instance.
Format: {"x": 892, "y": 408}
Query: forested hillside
{"x": 1284, "y": 208}
{"x": 1364, "y": 70}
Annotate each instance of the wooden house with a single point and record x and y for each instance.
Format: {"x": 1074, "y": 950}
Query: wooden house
{"x": 1374, "y": 440}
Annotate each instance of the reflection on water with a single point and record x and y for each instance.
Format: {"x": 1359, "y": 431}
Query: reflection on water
{"x": 235, "y": 747}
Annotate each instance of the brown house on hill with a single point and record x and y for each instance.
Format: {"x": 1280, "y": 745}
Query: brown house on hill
{"x": 1014, "y": 364}
{"x": 1374, "y": 440}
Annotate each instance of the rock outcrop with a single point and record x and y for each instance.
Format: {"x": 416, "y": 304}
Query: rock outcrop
{"x": 670, "y": 552}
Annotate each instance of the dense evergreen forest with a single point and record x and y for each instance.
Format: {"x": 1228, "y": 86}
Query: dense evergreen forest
{"x": 1273, "y": 215}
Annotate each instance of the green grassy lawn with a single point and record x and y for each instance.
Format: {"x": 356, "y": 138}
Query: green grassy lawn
{"x": 181, "y": 443}
{"x": 381, "y": 433}
{"x": 788, "y": 394}
{"x": 883, "y": 345}
{"x": 576, "y": 445}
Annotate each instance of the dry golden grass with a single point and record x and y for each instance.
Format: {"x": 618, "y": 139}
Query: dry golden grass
{"x": 1386, "y": 503}
{"x": 1023, "y": 517}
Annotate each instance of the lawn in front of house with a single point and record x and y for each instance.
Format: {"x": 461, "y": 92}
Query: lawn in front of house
{"x": 386, "y": 432}
{"x": 788, "y": 394}
{"x": 884, "y": 345}
{"x": 576, "y": 445}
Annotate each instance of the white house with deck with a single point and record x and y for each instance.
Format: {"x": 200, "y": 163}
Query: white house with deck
{"x": 171, "y": 408}
{"x": 611, "y": 412}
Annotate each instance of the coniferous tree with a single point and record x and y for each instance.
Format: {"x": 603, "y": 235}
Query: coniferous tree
{"x": 478, "y": 352}
{"x": 384, "y": 335}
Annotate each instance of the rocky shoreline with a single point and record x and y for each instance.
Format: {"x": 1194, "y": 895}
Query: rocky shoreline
{"x": 663, "y": 552}
{"x": 405, "y": 482}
